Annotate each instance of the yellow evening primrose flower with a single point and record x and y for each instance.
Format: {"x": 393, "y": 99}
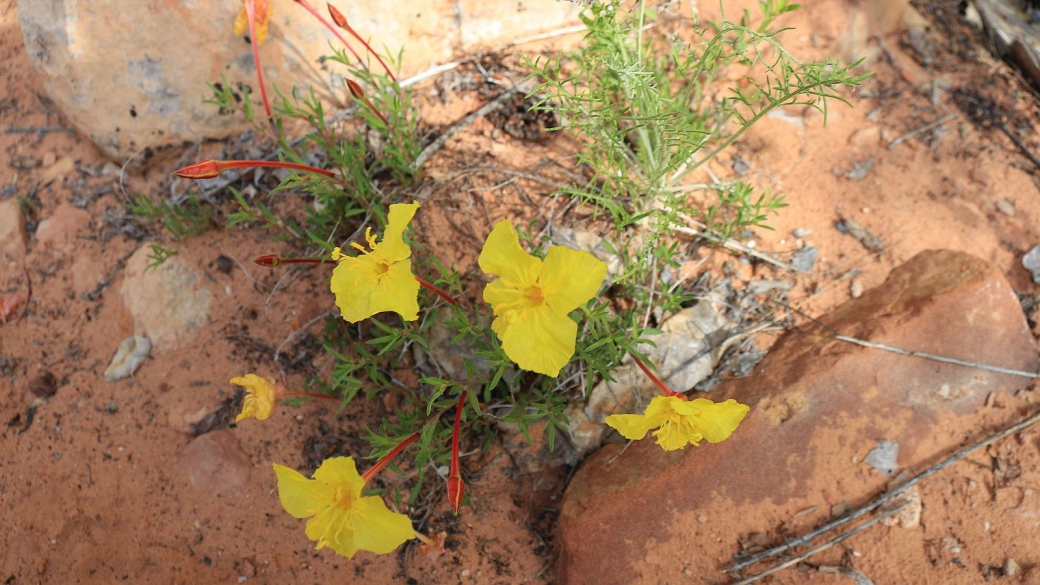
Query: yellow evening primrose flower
{"x": 262, "y": 16}
{"x": 340, "y": 518}
{"x": 261, "y": 400}
{"x": 532, "y": 298}
{"x": 380, "y": 278}
{"x": 679, "y": 421}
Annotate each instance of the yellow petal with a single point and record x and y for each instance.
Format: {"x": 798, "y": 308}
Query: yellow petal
{"x": 398, "y": 291}
{"x": 242, "y": 22}
{"x": 262, "y": 12}
{"x": 301, "y": 497}
{"x": 570, "y": 278}
{"x": 331, "y": 527}
{"x": 354, "y": 281}
{"x": 504, "y": 299}
{"x": 538, "y": 339}
{"x": 261, "y": 32}
{"x": 340, "y": 472}
{"x": 261, "y": 400}
{"x": 377, "y": 529}
{"x": 503, "y": 257}
{"x": 715, "y": 421}
{"x": 393, "y": 248}
{"x": 636, "y": 426}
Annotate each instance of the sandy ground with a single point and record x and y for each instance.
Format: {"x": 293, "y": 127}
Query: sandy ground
{"x": 91, "y": 490}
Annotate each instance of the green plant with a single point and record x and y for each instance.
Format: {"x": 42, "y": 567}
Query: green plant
{"x": 189, "y": 218}
{"x": 158, "y": 255}
{"x": 646, "y": 107}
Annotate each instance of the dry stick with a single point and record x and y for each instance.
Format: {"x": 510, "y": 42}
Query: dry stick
{"x": 732, "y": 244}
{"x": 887, "y": 497}
{"x": 937, "y": 358}
{"x": 36, "y": 129}
{"x": 278, "y": 351}
{"x": 921, "y": 130}
{"x": 822, "y": 547}
{"x": 443, "y": 138}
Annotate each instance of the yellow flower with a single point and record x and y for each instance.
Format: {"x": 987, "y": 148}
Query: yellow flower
{"x": 380, "y": 279}
{"x": 532, "y": 298}
{"x": 261, "y": 15}
{"x": 261, "y": 400}
{"x": 340, "y": 518}
{"x": 679, "y": 421}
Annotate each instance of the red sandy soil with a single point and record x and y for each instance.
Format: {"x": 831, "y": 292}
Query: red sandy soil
{"x": 90, "y": 486}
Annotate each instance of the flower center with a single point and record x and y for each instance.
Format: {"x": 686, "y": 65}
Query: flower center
{"x": 343, "y": 498}
{"x": 534, "y": 296}
{"x": 382, "y": 268}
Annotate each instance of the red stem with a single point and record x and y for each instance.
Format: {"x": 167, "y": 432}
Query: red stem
{"x": 274, "y": 164}
{"x": 341, "y": 21}
{"x": 251, "y": 15}
{"x": 376, "y": 112}
{"x": 454, "y": 472}
{"x": 657, "y": 381}
{"x": 430, "y": 287}
{"x": 368, "y": 475}
{"x": 329, "y": 26}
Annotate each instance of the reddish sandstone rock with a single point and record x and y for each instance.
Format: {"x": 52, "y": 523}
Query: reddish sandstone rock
{"x": 215, "y": 463}
{"x": 818, "y": 407}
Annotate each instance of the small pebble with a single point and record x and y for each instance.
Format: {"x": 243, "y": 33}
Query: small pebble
{"x": 224, "y": 264}
{"x": 856, "y": 288}
{"x": 802, "y": 233}
{"x": 1031, "y": 262}
{"x": 804, "y": 259}
{"x": 1011, "y": 568}
{"x": 1006, "y": 207}
{"x": 702, "y": 518}
{"x": 980, "y": 176}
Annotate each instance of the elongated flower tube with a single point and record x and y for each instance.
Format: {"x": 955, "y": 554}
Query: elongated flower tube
{"x": 255, "y": 16}
{"x": 380, "y": 278}
{"x": 209, "y": 169}
{"x": 532, "y": 298}
{"x": 339, "y": 517}
{"x": 456, "y": 487}
{"x": 359, "y": 94}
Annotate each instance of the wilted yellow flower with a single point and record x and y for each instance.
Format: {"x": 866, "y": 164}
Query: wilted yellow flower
{"x": 380, "y": 278}
{"x": 679, "y": 421}
{"x": 532, "y": 298}
{"x": 261, "y": 400}
{"x": 340, "y": 518}
{"x": 261, "y": 16}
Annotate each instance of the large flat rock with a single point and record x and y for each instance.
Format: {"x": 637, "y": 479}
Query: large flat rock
{"x": 819, "y": 406}
{"x": 133, "y": 75}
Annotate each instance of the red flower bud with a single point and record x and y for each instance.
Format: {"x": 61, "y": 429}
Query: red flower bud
{"x": 456, "y": 491}
{"x": 338, "y": 18}
{"x": 206, "y": 169}
{"x": 355, "y": 89}
{"x": 268, "y": 260}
